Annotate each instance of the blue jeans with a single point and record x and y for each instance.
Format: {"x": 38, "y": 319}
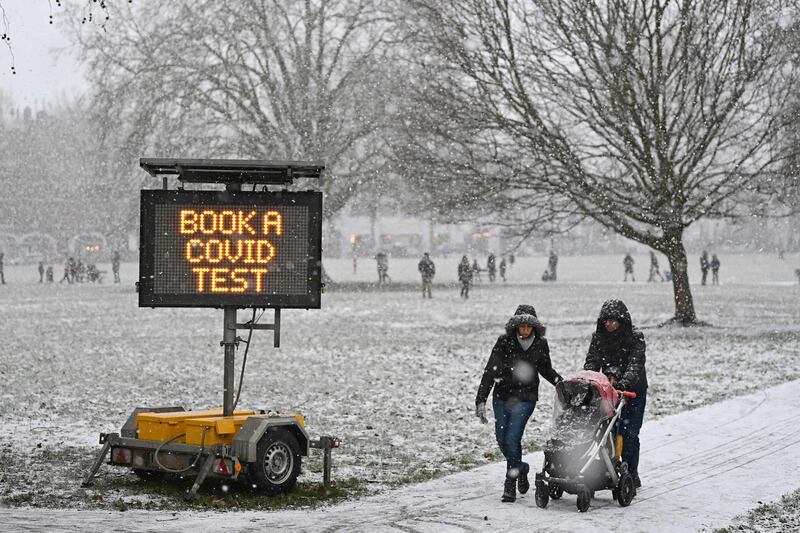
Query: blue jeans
{"x": 631, "y": 422}
{"x": 510, "y": 418}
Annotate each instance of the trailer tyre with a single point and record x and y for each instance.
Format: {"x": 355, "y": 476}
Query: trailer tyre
{"x": 277, "y": 462}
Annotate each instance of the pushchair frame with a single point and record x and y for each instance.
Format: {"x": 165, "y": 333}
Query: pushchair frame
{"x": 605, "y": 448}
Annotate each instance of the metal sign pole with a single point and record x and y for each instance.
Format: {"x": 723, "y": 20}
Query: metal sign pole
{"x": 229, "y": 342}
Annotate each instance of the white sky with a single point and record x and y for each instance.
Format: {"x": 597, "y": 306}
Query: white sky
{"x": 40, "y": 75}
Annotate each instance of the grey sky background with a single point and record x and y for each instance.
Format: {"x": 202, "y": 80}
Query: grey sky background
{"x": 42, "y": 77}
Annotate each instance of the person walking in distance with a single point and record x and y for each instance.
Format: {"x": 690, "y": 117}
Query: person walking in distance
{"x": 49, "y": 274}
{"x": 476, "y": 270}
{"x": 67, "y": 272}
{"x": 519, "y": 356}
{"x": 465, "y": 276}
{"x": 714, "y": 264}
{"x": 627, "y": 262}
{"x": 491, "y": 267}
{"x": 552, "y": 265}
{"x": 2, "y": 272}
{"x": 427, "y": 269}
{"x": 41, "y": 271}
{"x": 502, "y": 269}
{"x": 115, "y": 265}
{"x": 382, "y": 261}
{"x": 654, "y": 271}
{"x": 704, "y": 266}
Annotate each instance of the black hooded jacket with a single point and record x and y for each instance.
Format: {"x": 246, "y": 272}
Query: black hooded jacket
{"x": 513, "y": 371}
{"x": 621, "y": 352}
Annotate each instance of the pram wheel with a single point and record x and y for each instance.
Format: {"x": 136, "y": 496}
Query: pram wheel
{"x": 625, "y": 490}
{"x": 556, "y": 492}
{"x": 541, "y": 495}
{"x": 584, "y": 499}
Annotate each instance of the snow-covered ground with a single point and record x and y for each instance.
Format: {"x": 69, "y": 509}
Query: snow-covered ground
{"x": 701, "y": 469}
{"x": 391, "y": 374}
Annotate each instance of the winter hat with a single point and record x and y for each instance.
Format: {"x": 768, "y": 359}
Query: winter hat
{"x": 525, "y": 314}
{"x": 614, "y": 309}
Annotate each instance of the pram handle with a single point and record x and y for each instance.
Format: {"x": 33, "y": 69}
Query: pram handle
{"x": 627, "y": 393}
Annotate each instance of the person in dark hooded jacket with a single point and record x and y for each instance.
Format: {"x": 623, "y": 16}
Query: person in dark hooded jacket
{"x": 513, "y": 369}
{"x": 618, "y": 350}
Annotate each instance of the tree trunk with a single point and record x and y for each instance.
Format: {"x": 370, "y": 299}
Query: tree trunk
{"x": 684, "y": 305}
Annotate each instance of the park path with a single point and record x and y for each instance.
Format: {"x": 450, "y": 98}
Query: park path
{"x": 699, "y": 468}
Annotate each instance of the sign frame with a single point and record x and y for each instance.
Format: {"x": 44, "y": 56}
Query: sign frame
{"x": 150, "y": 198}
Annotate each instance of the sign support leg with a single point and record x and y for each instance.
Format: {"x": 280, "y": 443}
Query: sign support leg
{"x": 229, "y": 342}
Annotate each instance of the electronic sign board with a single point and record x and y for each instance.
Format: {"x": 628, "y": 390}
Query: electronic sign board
{"x": 230, "y": 248}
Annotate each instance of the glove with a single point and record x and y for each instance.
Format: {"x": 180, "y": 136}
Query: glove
{"x": 480, "y": 412}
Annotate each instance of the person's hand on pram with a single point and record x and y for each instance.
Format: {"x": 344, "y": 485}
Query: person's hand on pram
{"x": 612, "y": 373}
{"x": 480, "y": 412}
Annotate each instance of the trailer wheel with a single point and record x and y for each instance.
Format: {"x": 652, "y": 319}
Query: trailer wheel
{"x": 555, "y": 491}
{"x": 625, "y": 490}
{"x": 584, "y": 499}
{"x": 277, "y": 462}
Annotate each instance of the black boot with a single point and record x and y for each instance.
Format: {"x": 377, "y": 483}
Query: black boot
{"x": 522, "y": 480}
{"x": 509, "y": 490}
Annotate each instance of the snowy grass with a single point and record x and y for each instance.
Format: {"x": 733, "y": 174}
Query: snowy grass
{"x": 777, "y": 517}
{"x": 391, "y": 374}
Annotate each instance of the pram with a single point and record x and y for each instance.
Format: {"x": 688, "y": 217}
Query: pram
{"x": 583, "y": 453}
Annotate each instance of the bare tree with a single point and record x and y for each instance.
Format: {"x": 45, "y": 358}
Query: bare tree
{"x": 264, "y": 79}
{"x": 643, "y": 115}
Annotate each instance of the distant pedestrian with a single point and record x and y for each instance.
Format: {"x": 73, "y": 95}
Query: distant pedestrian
{"x": 628, "y": 264}
{"x": 2, "y": 273}
{"x": 427, "y": 269}
{"x": 491, "y": 267}
{"x": 704, "y": 266}
{"x": 465, "y": 276}
{"x": 714, "y": 269}
{"x": 503, "y": 269}
{"x": 115, "y": 265}
{"x": 355, "y": 265}
{"x": 476, "y": 270}
{"x": 382, "y": 261}
{"x": 511, "y": 260}
{"x": 797, "y": 273}
{"x": 49, "y": 274}
{"x": 69, "y": 271}
{"x": 80, "y": 271}
{"x": 552, "y": 265}
{"x": 654, "y": 271}
{"x": 41, "y": 271}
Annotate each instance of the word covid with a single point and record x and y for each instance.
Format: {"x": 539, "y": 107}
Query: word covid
{"x": 229, "y": 250}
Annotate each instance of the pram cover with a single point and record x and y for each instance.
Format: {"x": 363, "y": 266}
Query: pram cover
{"x": 584, "y": 404}
{"x": 602, "y": 396}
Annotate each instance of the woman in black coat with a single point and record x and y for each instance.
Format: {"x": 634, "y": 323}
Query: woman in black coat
{"x": 618, "y": 350}
{"x": 513, "y": 369}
